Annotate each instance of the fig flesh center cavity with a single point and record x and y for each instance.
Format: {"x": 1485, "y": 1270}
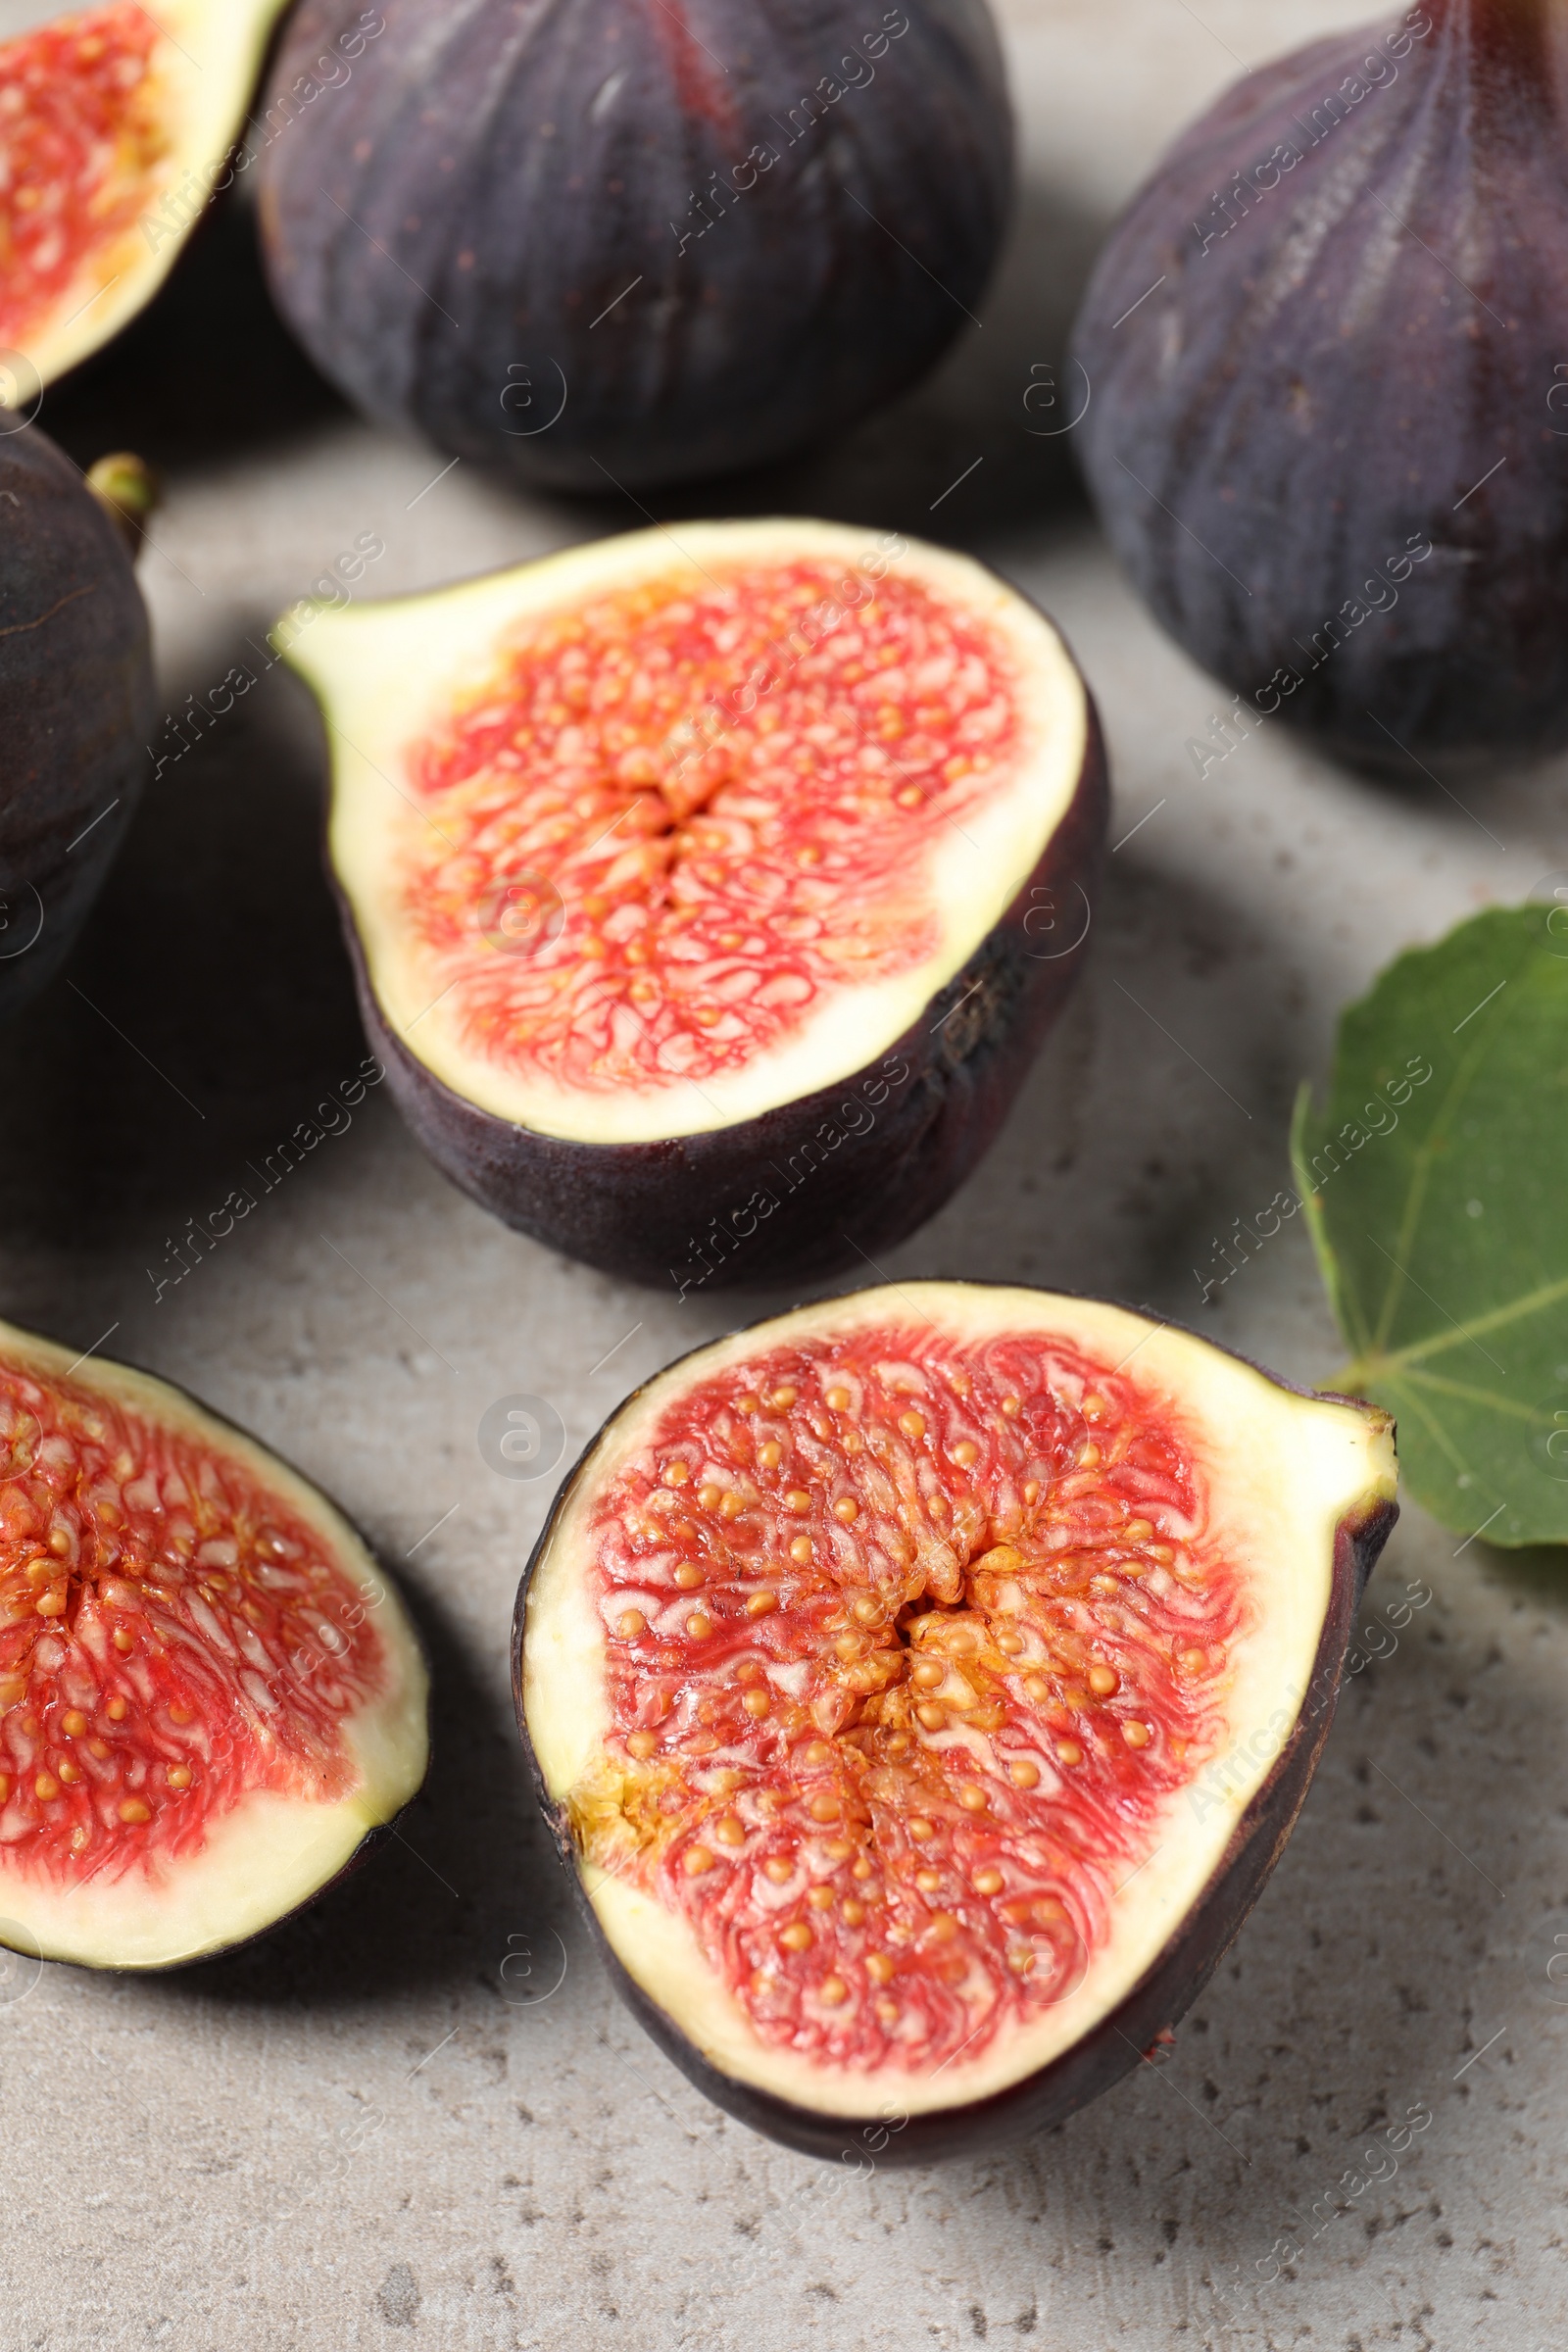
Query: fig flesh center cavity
{"x": 908, "y": 1645}
{"x": 117, "y": 126}
{"x": 171, "y": 1638}
{"x": 84, "y": 135}
{"x": 681, "y": 817}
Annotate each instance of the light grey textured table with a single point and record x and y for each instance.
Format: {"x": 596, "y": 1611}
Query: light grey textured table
{"x": 377, "y": 2130}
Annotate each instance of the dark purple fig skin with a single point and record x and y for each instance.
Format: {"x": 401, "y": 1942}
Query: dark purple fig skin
{"x": 1126, "y": 2036}
{"x": 525, "y": 166}
{"x": 77, "y": 701}
{"x": 683, "y": 1211}
{"x": 1331, "y": 355}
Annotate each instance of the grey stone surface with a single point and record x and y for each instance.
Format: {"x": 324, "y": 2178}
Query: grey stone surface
{"x": 416, "y": 2115}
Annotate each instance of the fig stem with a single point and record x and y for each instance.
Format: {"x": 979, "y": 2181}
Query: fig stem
{"x": 127, "y": 488}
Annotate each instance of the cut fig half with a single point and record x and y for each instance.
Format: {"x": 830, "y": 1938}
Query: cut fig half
{"x": 211, "y": 1698}
{"x": 922, "y": 1686}
{"x": 116, "y": 125}
{"x": 709, "y": 889}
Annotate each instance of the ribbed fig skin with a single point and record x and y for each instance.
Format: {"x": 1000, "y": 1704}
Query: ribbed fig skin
{"x": 1127, "y": 2033}
{"x": 690, "y": 1211}
{"x": 1338, "y": 360}
{"x": 565, "y": 291}
{"x": 77, "y": 700}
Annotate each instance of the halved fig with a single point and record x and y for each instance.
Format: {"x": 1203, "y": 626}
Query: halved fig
{"x": 922, "y": 1686}
{"x": 77, "y": 702}
{"x": 116, "y": 127}
{"x": 709, "y": 889}
{"x": 211, "y": 1698}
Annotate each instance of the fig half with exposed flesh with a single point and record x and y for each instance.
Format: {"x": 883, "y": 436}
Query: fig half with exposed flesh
{"x": 1327, "y": 434}
{"x": 116, "y": 125}
{"x": 922, "y": 1686}
{"x": 709, "y": 889}
{"x": 211, "y": 1698}
{"x": 76, "y": 703}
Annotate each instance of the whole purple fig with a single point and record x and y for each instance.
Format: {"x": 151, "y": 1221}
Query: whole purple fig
{"x": 613, "y": 244}
{"x": 1328, "y": 351}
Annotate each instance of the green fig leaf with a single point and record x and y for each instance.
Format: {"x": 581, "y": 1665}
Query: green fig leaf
{"x": 1435, "y": 1181}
